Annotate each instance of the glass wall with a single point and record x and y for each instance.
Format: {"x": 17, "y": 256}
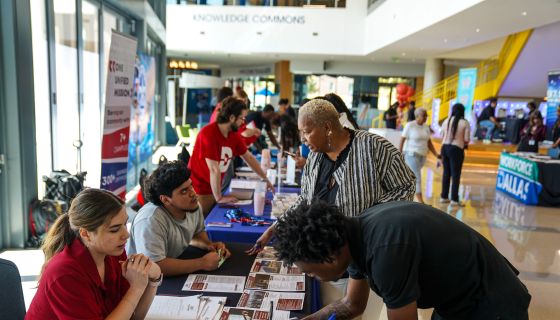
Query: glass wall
{"x": 69, "y": 96}
{"x": 65, "y": 122}
{"x": 276, "y": 3}
{"x": 42, "y": 95}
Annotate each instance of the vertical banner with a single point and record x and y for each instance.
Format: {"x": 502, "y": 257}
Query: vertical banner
{"x": 465, "y": 94}
{"x": 552, "y": 97}
{"x": 116, "y": 121}
{"x": 436, "y": 104}
{"x": 142, "y": 117}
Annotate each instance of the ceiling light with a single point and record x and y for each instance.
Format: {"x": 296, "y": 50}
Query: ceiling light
{"x": 315, "y": 34}
{"x": 182, "y": 64}
{"x": 524, "y": 13}
{"x": 403, "y": 54}
{"x": 202, "y": 32}
{"x": 259, "y": 33}
{"x": 187, "y": 64}
{"x": 477, "y": 30}
{"x": 445, "y": 40}
{"x": 194, "y": 65}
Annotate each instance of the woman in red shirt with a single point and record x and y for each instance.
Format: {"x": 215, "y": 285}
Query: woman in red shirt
{"x": 86, "y": 274}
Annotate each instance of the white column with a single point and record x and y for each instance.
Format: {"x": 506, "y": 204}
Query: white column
{"x": 433, "y": 72}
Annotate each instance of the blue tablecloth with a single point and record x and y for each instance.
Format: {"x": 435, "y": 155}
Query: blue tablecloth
{"x": 238, "y": 232}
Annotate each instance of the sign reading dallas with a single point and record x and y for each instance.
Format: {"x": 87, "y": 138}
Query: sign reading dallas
{"x": 249, "y": 18}
{"x": 519, "y": 178}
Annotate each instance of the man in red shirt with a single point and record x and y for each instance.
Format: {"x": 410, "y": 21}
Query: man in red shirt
{"x": 223, "y": 93}
{"x": 216, "y": 146}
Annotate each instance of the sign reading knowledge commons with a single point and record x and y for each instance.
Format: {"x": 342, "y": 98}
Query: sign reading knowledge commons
{"x": 116, "y": 119}
{"x": 519, "y": 178}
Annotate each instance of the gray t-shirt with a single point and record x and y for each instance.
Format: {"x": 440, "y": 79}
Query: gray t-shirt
{"x": 156, "y": 234}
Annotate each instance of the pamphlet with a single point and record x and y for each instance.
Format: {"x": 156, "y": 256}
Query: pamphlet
{"x": 252, "y": 314}
{"x": 211, "y": 283}
{"x": 261, "y": 281}
{"x": 267, "y": 253}
{"x": 190, "y": 308}
{"x": 258, "y": 299}
{"x": 274, "y": 267}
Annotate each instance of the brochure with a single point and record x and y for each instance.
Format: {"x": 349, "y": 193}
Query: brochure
{"x": 261, "y": 281}
{"x": 211, "y": 283}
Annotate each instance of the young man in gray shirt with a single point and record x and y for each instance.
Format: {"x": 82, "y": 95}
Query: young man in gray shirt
{"x": 171, "y": 222}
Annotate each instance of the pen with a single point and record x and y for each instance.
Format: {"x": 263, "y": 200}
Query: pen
{"x": 271, "y": 310}
{"x": 332, "y": 316}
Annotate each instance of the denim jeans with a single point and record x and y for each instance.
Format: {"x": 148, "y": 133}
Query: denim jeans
{"x": 416, "y": 162}
{"x": 490, "y": 126}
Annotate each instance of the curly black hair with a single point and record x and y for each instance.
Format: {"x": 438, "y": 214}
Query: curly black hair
{"x": 164, "y": 180}
{"x": 311, "y": 233}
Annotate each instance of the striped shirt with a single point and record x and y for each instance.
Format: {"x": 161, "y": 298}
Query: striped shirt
{"x": 374, "y": 172}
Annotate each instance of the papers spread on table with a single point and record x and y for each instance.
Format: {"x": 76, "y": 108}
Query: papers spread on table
{"x": 258, "y": 299}
{"x": 211, "y": 283}
{"x": 267, "y": 253}
{"x": 252, "y": 314}
{"x": 274, "y": 267}
{"x": 282, "y": 202}
{"x": 261, "y": 281}
{"x": 243, "y": 184}
{"x": 186, "y": 308}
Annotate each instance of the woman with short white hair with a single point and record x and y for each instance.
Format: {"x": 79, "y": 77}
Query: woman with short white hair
{"x": 415, "y": 143}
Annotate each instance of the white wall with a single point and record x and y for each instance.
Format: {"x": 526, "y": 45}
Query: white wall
{"x": 233, "y": 29}
{"x": 389, "y": 22}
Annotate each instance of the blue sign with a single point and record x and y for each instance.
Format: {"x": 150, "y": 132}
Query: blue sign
{"x": 465, "y": 90}
{"x": 552, "y": 97}
{"x": 518, "y": 177}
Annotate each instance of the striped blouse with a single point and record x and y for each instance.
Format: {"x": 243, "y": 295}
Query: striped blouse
{"x": 374, "y": 172}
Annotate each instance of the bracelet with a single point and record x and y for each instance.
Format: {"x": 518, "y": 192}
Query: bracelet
{"x": 156, "y": 282}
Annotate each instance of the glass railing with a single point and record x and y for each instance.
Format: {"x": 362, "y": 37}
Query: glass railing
{"x": 271, "y": 3}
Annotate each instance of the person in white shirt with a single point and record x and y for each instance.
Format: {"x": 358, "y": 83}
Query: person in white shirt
{"x": 456, "y": 137}
{"x": 415, "y": 143}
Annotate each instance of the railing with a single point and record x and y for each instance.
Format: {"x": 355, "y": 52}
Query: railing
{"x": 487, "y": 71}
{"x": 271, "y": 3}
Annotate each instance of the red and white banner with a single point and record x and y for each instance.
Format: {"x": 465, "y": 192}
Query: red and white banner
{"x": 116, "y": 121}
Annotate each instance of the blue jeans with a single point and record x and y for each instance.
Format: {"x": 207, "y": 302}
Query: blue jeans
{"x": 490, "y": 126}
{"x": 416, "y": 162}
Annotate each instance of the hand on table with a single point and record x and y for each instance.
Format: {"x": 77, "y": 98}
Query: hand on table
{"x": 210, "y": 261}
{"x": 261, "y": 242}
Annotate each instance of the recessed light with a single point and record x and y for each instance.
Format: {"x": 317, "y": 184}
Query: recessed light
{"x": 477, "y": 30}
{"x": 403, "y": 54}
{"x": 202, "y": 32}
{"x": 315, "y": 34}
{"x": 259, "y": 33}
{"x": 445, "y": 40}
{"x": 524, "y": 13}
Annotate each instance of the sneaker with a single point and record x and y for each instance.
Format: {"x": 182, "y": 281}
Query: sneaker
{"x": 457, "y": 203}
{"x": 487, "y": 141}
{"x": 443, "y": 200}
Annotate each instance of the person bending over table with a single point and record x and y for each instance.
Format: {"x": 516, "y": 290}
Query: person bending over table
{"x": 171, "y": 222}
{"x": 216, "y": 146}
{"x": 412, "y": 255}
{"x": 351, "y": 169}
{"x": 86, "y": 274}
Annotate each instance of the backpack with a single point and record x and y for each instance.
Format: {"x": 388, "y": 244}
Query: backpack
{"x": 63, "y": 186}
{"x": 42, "y": 214}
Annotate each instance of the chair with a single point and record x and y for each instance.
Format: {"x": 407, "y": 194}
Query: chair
{"x": 183, "y": 135}
{"x": 12, "y": 304}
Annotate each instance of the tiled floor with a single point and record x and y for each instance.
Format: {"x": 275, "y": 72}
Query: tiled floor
{"x": 528, "y": 236}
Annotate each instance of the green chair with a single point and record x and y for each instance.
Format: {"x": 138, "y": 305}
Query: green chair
{"x": 183, "y": 135}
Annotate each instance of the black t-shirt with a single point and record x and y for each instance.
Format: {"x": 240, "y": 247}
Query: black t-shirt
{"x": 291, "y": 112}
{"x": 411, "y": 116}
{"x": 392, "y": 123}
{"x": 326, "y": 188}
{"x": 259, "y": 121}
{"x": 486, "y": 114}
{"x": 412, "y": 252}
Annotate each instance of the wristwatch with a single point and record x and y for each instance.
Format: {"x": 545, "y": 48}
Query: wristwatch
{"x": 156, "y": 282}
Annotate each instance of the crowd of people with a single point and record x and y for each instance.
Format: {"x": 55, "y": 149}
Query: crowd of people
{"x": 354, "y": 221}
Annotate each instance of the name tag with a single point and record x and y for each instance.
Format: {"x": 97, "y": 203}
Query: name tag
{"x": 531, "y": 142}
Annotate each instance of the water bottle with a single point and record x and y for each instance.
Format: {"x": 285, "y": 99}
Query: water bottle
{"x": 259, "y": 198}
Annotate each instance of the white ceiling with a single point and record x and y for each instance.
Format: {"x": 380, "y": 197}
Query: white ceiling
{"x": 473, "y": 34}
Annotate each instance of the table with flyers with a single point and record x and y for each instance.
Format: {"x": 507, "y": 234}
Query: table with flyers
{"x": 241, "y": 264}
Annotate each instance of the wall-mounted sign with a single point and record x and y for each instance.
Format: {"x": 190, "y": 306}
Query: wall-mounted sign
{"x": 242, "y": 18}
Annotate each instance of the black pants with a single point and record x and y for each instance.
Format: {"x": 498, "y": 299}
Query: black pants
{"x": 452, "y": 158}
